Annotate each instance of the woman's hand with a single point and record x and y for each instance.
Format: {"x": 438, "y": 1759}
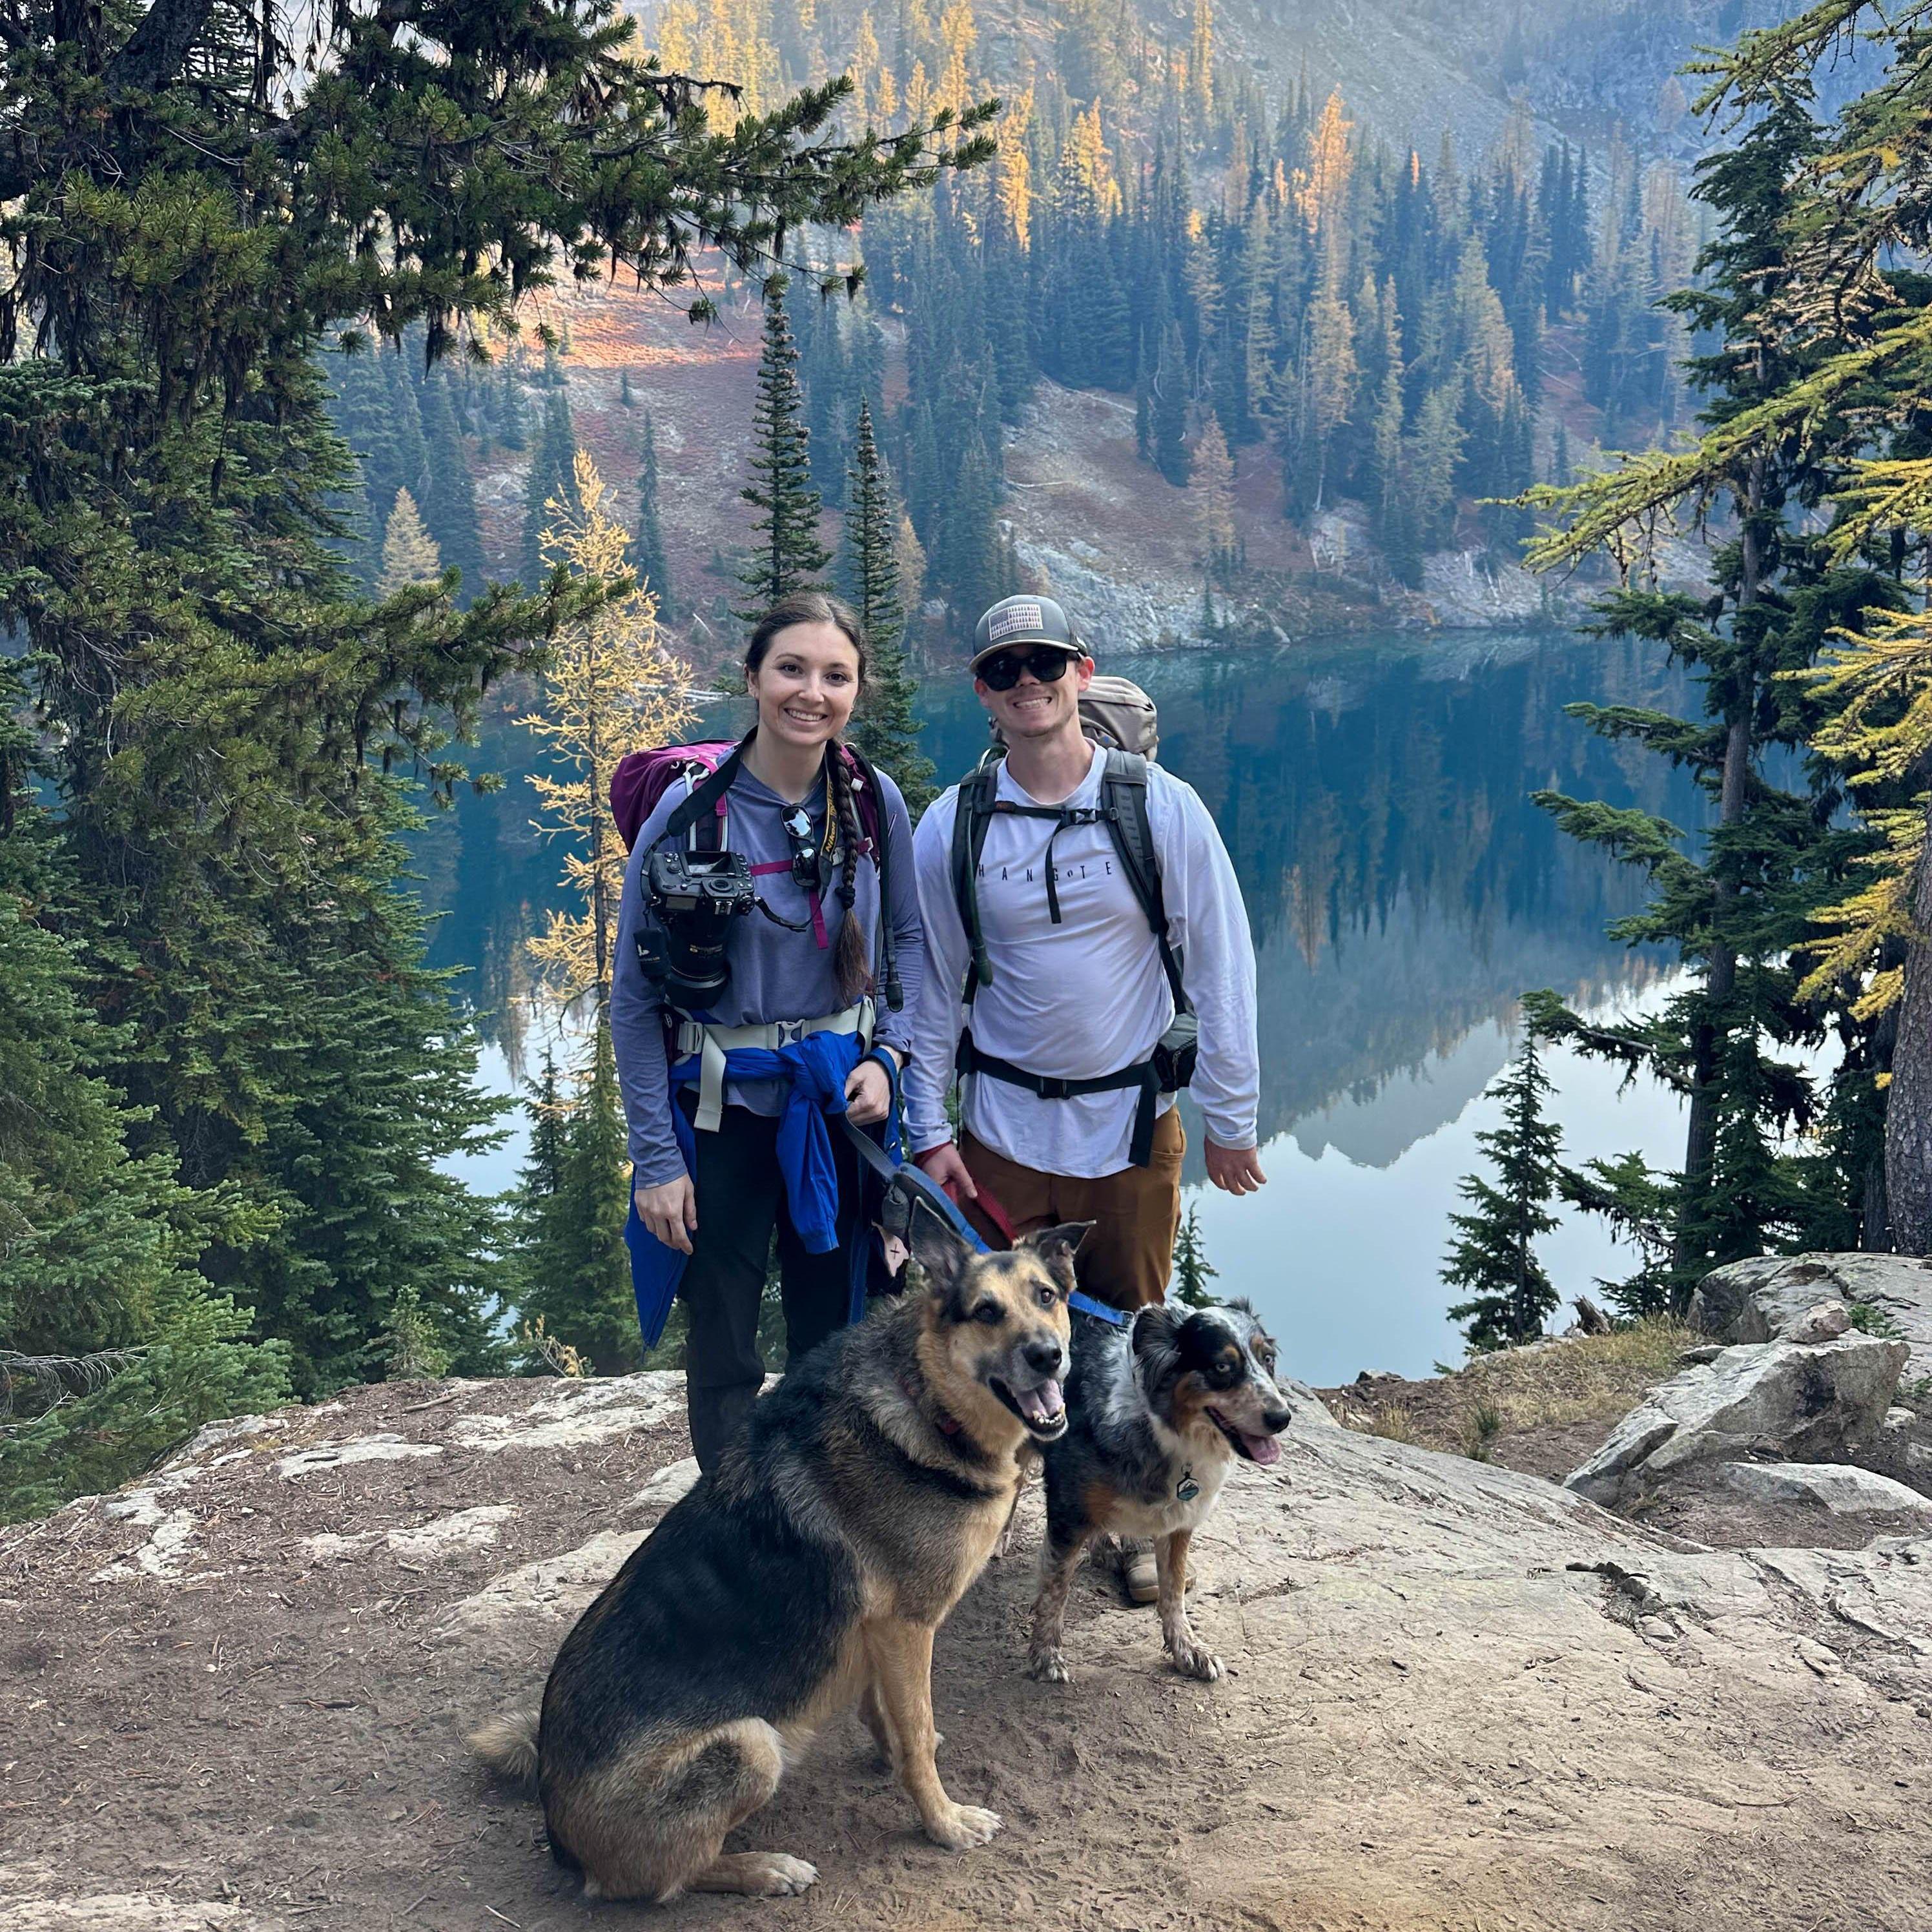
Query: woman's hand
{"x": 868, "y": 1094}
{"x": 670, "y": 1212}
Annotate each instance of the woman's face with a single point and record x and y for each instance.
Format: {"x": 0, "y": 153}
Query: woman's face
{"x": 807, "y": 686}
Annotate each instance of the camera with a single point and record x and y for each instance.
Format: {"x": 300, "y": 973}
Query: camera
{"x": 690, "y": 900}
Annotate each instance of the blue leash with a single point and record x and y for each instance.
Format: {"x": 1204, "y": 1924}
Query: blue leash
{"x": 910, "y": 1188}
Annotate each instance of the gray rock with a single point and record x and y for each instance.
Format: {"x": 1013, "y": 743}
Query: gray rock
{"x": 1897, "y": 1421}
{"x": 1309, "y": 1411}
{"x": 1782, "y": 1399}
{"x": 1842, "y": 1487}
{"x": 1821, "y": 1324}
{"x": 1751, "y": 1301}
{"x": 1707, "y": 1351}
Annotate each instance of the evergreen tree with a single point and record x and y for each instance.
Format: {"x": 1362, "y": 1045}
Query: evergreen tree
{"x": 646, "y": 554}
{"x": 512, "y": 412}
{"x": 1170, "y": 410}
{"x": 1737, "y": 912}
{"x": 625, "y": 400}
{"x": 1493, "y": 1258}
{"x": 788, "y": 555}
{"x": 409, "y": 556}
{"x": 1193, "y": 1270}
{"x": 222, "y": 707}
{"x": 116, "y": 1348}
{"x": 551, "y": 480}
{"x": 887, "y": 726}
{"x": 575, "y": 1270}
{"x": 449, "y": 509}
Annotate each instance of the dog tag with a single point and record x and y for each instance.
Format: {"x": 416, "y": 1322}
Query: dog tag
{"x": 1187, "y": 1489}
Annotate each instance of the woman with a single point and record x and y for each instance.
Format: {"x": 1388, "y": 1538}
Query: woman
{"x": 806, "y": 954}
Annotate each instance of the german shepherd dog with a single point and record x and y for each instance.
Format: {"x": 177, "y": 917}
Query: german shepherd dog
{"x": 1158, "y": 1419}
{"x": 811, "y": 1567}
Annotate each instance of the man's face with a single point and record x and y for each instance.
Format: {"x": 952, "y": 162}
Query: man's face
{"x": 1032, "y": 709}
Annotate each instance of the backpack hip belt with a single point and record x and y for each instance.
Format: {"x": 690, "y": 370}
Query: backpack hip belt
{"x": 712, "y": 1043}
{"x": 1155, "y": 1075}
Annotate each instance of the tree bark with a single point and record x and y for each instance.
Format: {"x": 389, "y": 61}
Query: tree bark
{"x": 1700, "y": 1137}
{"x": 1908, "y": 1113}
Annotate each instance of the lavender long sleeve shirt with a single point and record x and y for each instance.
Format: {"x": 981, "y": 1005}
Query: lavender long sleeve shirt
{"x": 776, "y": 975}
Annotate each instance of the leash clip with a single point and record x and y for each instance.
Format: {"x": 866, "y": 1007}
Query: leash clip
{"x": 1082, "y": 1304}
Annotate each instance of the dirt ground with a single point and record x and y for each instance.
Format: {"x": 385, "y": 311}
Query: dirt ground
{"x": 233, "y": 1696}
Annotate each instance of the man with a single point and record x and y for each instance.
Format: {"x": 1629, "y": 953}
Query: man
{"x": 1077, "y": 991}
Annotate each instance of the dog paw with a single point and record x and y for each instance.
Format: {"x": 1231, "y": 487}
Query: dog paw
{"x": 963, "y": 1827}
{"x": 1048, "y": 1667}
{"x": 1191, "y": 1660}
{"x": 778, "y": 1876}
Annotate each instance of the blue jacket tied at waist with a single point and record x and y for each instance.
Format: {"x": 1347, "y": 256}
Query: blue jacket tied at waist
{"x": 817, "y": 1067}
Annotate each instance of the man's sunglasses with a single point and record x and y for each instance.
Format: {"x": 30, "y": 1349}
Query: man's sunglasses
{"x": 1004, "y": 670}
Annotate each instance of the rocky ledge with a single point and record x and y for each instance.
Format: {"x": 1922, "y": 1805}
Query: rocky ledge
{"x": 1457, "y": 1697}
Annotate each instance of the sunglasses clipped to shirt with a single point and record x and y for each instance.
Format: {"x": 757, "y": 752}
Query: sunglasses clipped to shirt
{"x": 1003, "y": 671}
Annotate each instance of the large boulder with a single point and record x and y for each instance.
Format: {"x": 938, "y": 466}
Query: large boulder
{"x": 1751, "y": 1301}
{"x": 1843, "y": 1488}
{"x": 1793, "y": 1400}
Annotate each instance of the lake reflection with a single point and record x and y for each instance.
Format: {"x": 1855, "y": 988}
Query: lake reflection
{"x": 1403, "y": 892}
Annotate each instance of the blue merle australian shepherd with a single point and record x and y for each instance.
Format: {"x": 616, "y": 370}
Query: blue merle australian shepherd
{"x": 1157, "y": 1415}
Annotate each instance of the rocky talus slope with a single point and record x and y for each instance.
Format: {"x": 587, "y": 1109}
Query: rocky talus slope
{"x": 1458, "y": 1697}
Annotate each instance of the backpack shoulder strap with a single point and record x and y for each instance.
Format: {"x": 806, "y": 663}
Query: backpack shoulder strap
{"x": 972, "y": 814}
{"x": 872, "y": 823}
{"x": 699, "y": 809}
{"x": 1123, "y": 805}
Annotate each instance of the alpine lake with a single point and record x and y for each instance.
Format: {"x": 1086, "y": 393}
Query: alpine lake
{"x": 1403, "y": 891}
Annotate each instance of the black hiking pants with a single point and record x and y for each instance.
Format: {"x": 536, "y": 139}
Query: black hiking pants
{"x": 741, "y": 1201}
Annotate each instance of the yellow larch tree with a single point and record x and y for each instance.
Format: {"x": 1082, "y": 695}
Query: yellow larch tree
{"x": 611, "y": 687}
{"x": 409, "y": 556}
{"x": 1012, "y": 173}
{"x": 1211, "y": 490}
{"x": 1086, "y": 179}
{"x": 959, "y": 36}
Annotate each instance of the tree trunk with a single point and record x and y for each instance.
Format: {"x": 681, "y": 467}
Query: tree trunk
{"x": 1700, "y": 1138}
{"x": 1908, "y": 1113}
{"x": 1707, "y": 1057}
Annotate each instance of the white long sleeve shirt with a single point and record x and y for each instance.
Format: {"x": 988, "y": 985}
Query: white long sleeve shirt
{"x": 1086, "y": 996}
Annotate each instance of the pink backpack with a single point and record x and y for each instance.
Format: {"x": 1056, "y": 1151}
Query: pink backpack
{"x": 642, "y": 778}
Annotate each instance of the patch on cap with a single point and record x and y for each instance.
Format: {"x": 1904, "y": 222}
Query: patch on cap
{"x": 1016, "y": 616}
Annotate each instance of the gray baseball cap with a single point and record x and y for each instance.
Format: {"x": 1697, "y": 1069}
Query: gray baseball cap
{"x": 1023, "y": 620}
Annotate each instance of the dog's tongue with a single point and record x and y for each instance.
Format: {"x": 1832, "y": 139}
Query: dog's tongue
{"x": 1264, "y": 1449}
{"x": 1042, "y": 1404}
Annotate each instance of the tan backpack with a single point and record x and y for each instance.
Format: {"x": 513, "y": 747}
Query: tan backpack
{"x": 1117, "y": 715}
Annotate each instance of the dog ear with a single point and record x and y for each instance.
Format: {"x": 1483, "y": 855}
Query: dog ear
{"x": 1157, "y": 1343}
{"x": 1055, "y": 1246}
{"x": 939, "y": 1250}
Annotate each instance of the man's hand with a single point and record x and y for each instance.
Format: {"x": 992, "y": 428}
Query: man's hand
{"x": 1234, "y": 1170}
{"x": 670, "y": 1212}
{"x": 868, "y": 1094}
{"x": 945, "y": 1165}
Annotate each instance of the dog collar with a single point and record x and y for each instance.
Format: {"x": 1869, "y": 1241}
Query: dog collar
{"x": 1085, "y": 1304}
{"x": 946, "y": 1424}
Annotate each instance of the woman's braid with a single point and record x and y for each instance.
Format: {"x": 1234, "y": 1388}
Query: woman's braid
{"x": 853, "y": 968}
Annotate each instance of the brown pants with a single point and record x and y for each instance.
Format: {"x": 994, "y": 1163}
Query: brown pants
{"x": 1126, "y": 1259}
